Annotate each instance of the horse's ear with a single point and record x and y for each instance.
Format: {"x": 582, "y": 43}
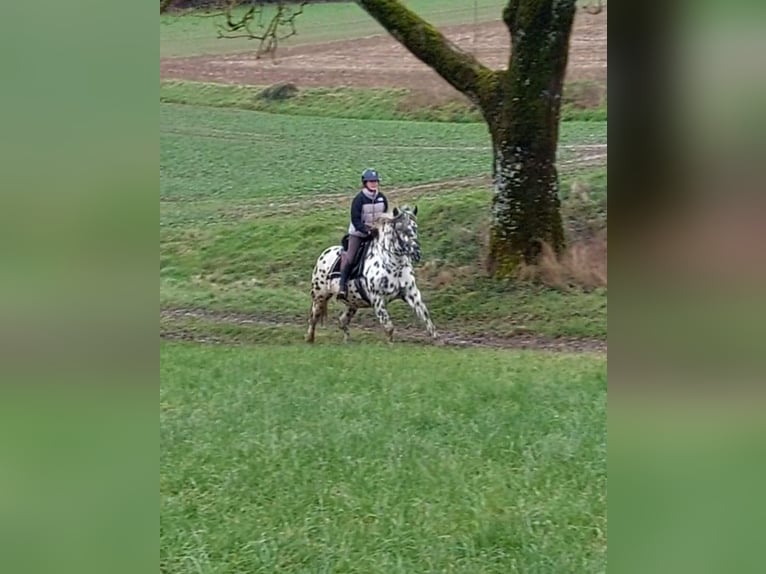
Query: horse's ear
{"x": 396, "y": 212}
{"x": 415, "y": 211}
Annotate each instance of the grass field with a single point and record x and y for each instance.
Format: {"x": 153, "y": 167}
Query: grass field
{"x": 244, "y": 213}
{"x": 355, "y": 103}
{"x": 297, "y": 459}
{"x": 188, "y": 36}
{"x": 259, "y": 261}
{"x": 277, "y": 456}
{"x": 254, "y": 154}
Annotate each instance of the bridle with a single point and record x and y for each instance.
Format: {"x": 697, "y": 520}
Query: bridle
{"x": 398, "y": 250}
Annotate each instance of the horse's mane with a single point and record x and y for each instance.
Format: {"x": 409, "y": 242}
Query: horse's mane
{"x": 382, "y": 220}
{"x": 388, "y": 216}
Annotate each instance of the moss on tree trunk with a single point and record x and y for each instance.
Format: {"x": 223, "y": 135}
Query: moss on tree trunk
{"x": 524, "y": 128}
{"x": 525, "y": 204}
{"x": 521, "y": 106}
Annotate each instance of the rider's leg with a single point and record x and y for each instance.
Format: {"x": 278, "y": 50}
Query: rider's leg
{"x": 353, "y": 246}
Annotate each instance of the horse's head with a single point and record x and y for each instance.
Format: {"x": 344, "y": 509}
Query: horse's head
{"x": 401, "y": 227}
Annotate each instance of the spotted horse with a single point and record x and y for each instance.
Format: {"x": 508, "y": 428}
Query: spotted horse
{"x": 386, "y": 275}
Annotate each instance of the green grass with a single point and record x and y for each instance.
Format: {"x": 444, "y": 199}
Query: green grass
{"x": 209, "y": 152}
{"x": 341, "y": 102}
{"x": 254, "y": 259}
{"x": 189, "y": 35}
{"x": 345, "y": 102}
{"x": 228, "y": 153}
{"x": 377, "y": 460}
{"x": 227, "y": 245}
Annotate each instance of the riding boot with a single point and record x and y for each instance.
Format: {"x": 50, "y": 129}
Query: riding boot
{"x": 343, "y": 291}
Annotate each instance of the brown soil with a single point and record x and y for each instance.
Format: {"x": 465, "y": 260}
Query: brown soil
{"x": 380, "y": 61}
{"x": 177, "y": 332}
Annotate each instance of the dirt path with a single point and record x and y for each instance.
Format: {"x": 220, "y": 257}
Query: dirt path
{"x": 404, "y": 334}
{"x": 380, "y": 61}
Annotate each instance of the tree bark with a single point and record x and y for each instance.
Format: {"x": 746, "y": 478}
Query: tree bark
{"x": 524, "y": 128}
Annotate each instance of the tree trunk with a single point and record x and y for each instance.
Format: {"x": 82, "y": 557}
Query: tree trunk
{"x": 521, "y": 106}
{"x": 523, "y": 123}
{"x": 525, "y": 204}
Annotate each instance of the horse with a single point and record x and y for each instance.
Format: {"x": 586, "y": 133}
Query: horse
{"x": 386, "y": 275}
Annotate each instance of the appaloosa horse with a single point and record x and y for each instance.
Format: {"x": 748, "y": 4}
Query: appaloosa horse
{"x": 386, "y": 275}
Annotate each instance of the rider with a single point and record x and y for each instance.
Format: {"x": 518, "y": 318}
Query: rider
{"x": 367, "y": 206}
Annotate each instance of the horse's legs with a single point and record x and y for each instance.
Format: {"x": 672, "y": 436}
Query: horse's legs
{"x": 379, "y": 304}
{"x": 345, "y": 319}
{"x": 318, "y": 312}
{"x": 414, "y": 300}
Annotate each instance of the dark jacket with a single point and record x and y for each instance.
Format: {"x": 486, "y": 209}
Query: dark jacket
{"x": 365, "y": 208}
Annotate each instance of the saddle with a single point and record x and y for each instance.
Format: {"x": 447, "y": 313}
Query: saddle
{"x": 356, "y": 265}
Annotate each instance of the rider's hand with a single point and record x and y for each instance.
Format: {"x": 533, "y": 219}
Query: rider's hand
{"x": 372, "y": 233}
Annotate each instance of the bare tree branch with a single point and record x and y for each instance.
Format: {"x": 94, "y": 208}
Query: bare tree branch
{"x": 251, "y": 25}
{"x": 247, "y": 19}
{"x": 255, "y": 24}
